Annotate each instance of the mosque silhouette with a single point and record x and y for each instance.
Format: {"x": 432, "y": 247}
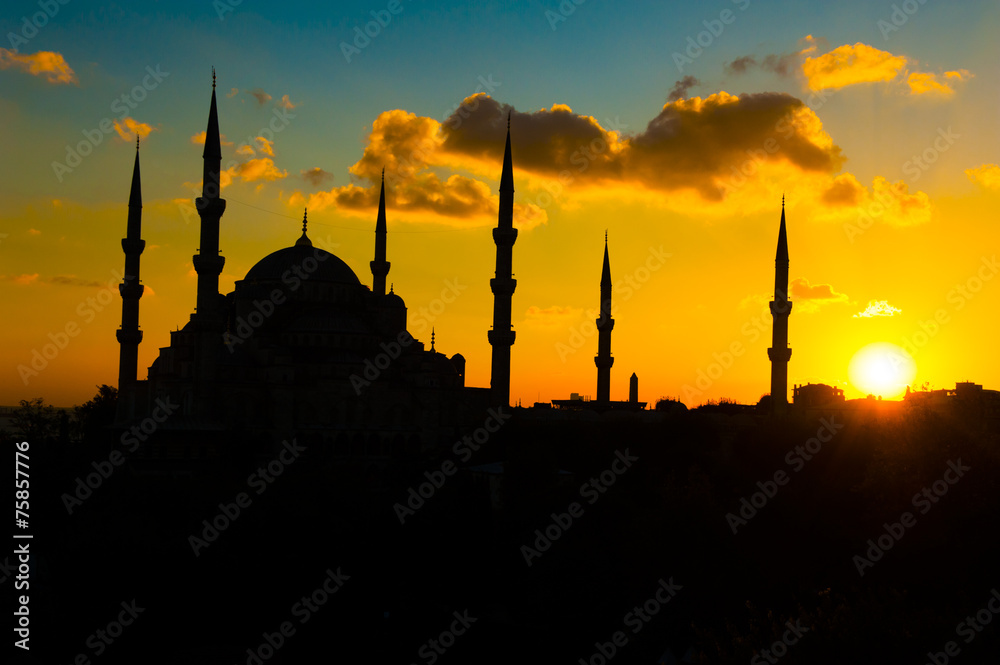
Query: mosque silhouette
{"x": 303, "y": 349}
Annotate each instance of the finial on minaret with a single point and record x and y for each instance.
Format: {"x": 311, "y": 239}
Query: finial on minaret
{"x": 508, "y": 120}
{"x": 304, "y": 239}
{"x": 432, "y": 339}
{"x": 137, "y": 142}
{"x": 383, "y": 175}
{"x": 213, "y": 77}
{"x": 605, "y": 236}
{"x": 391, "y": 287}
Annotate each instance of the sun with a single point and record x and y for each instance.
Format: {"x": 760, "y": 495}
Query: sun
{"x": 882, "y": 369}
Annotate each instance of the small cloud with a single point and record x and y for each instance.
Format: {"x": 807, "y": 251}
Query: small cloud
{"x": 232, "y": 93}
{"x": 809, "y": 297}
{"x": 844, "y": 190}
{"x": 265, "y": 146}
{"x": 199, "y": 139}
{"x": 49, "y": 64}
{"x": 987, "y": 175}
{"x": 286, "y": 103}
{"x": 34, "y": 232}
{"x": 128, "y": 128}
{"x": 261, "y": 96}
{"x": 878, "y": 308}
{"x": 245, "y": 150}
{"x": 680, "y": 89}
{"x": 262, "y": 168}
{"x": 922, "y": 83}
{"x": 25, "y": 279}
{"x": 741, "y": 64}
{"x": 72, "y": 280}
{"x": 849, "y": 65}
{"x": 316, "y": 176}
{"x": 554, "y": 316}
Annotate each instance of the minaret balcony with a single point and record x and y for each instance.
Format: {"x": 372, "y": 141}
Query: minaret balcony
{"x": 780, "y": 307}
{"x": 131, "y": 288}
{"x": 208, "y": 265}
{"x": 501, "y": 337}
{"x": 780, "y": 355}
{"x": 210, "y": 206}
{"x": 503, "y": 286}
{"x": 128, "y": 336}
{"x": 504, "y": 237}
{"x": 133, "y": 245}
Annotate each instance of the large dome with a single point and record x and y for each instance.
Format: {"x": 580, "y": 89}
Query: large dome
{"x": 291, "y": 261}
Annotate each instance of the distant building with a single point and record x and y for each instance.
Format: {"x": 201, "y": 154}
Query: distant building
{"x": 816, "y": 394}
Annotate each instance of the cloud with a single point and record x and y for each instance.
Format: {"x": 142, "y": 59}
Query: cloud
{"x": 809, "y": 297}
{"x": 741, "y": 64}
{"x": 844, "y": 190}
{"x": 286, "y": 103}
{"x": 264, "y": 146}
{"x": 846, "y": 200}
{"x": 232, "y": 93}
{"x": 554, "y": 316}
{"x": 447, "y": 171}
{"x": 25, "y": 279}
{"x": 259, "y": 169}
{"x": 922, "y": 83}
{"x": 128, "y": 128}
{"x": 878, "y": 308}
{"x": 49, "y": 64}
{"x": 316, "y": 176}
{"x": 680, "y": 89}
{"x": 34, "y": 232}
{"x": 987, "y": 175}
{"x": 261, "y": 96}
{"x": 199, "y": 139}
{"x": 72, "y": 280}
{"x": 849, "y": 65}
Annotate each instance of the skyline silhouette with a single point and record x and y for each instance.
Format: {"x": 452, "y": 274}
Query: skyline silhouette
{"x": 861, "y": 215}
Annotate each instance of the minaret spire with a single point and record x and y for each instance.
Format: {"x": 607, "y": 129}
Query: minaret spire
{"x": 380, "y": 267}
{"x": 605, "y": 324}
{"x": 207, "y": 262}
{"x": 304, "y": 239}
{"x": 781, "y": 307}
{"x": 130, "y": 289}
{"x": 501, "y": 337}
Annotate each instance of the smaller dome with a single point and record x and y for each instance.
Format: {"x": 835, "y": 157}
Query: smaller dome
{"x": 392, "y": 300}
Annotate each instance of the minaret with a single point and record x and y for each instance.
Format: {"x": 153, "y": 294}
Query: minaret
{"x": 130, "y": 289}
{"x": 605, "y": 324}
{"x": 779, "y": 353}
{"x": 633, "y": 389}
{"x": 380, "y": 267}
{"x": 207, "y": 262}
{"x": 503, "y": 284}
